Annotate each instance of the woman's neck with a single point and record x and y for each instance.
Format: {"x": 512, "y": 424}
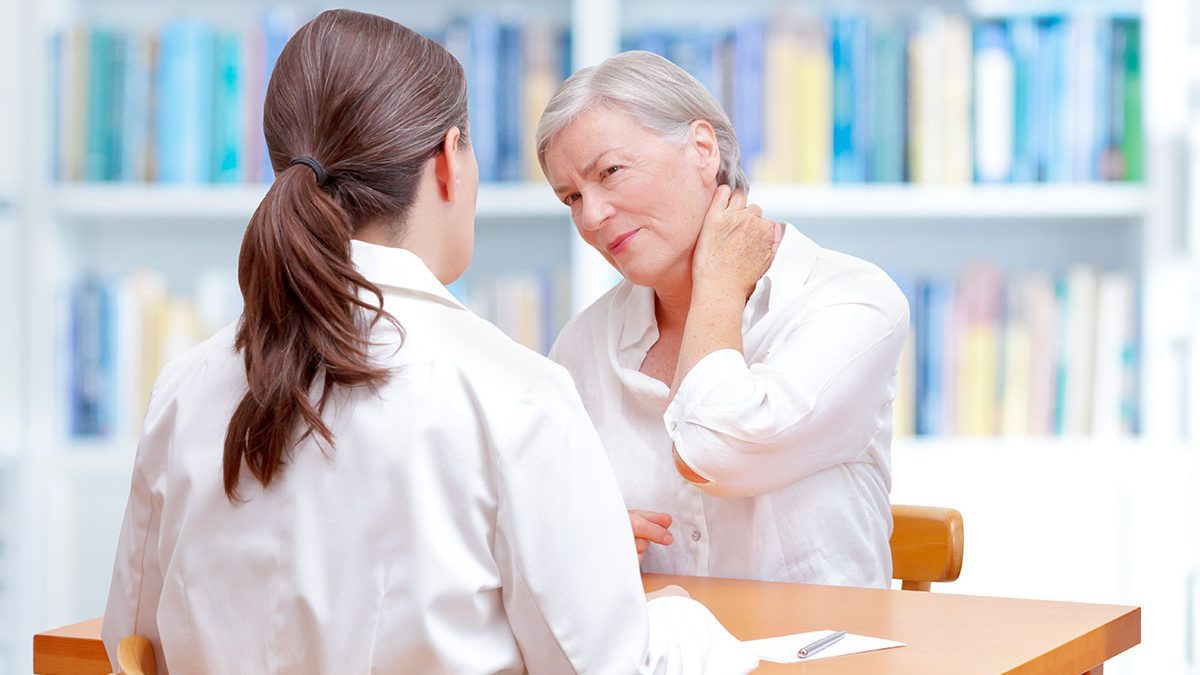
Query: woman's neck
{"x": 671, "y": 304}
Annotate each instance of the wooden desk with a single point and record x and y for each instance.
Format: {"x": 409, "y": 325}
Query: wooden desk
{"x": 945, "y": 633}
{"x": 74, "y": 650}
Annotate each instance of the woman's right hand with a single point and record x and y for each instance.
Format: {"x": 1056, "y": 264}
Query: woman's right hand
{"x": 736, "y": 244}
{"x": 649, "y": 526}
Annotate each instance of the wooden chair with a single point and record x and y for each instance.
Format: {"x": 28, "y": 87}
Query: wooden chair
{"x": 135, "y": 656}
{"x": 927, "y": 545}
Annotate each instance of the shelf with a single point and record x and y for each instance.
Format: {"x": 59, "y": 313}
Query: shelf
{"x": 534, "y": 200}
{"x": 83, "y": 450}
{"x": 1008, "y": 8}
{"x": 1082, "y": 202}
{"x": 237, "y": 202}
{"x": 1033, "y": 445}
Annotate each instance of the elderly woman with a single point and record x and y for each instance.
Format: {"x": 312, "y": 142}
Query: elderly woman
{"x": 741, "y": 376}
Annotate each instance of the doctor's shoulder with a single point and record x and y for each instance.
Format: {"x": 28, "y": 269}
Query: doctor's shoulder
{"x": 212, "y": 357}
{"x": 490, "y": 362}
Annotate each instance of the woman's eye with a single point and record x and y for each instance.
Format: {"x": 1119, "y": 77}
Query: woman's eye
{"x": 571, "y": 198}
{"x": 611, "y": 170}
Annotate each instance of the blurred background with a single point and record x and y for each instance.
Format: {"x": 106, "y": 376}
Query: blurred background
{"x": 1025, "y": 170}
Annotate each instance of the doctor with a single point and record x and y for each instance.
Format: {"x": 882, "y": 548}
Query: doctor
{"x": 360, "y": 475}
{"x": 740, "y": 376}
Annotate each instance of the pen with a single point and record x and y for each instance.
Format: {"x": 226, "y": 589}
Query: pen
{"x": 810, "y": 649}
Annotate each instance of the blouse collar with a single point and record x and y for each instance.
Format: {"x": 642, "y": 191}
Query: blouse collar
{"x": 400, "y": 269}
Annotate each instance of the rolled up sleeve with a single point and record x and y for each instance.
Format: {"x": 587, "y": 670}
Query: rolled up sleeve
{"x": 817, "y": 399}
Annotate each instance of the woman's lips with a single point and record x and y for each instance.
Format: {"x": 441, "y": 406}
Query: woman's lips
{"x": 621, "y": 242}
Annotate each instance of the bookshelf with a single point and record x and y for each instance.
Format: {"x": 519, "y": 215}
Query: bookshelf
{"x": 73, "y": 489}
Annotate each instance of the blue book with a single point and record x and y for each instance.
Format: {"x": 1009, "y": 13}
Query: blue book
{"x": 693, "y": 51}
{"x": 483, "y": 74}
{"x": 91, "y": 358}
{"x": 183, "y": 141}
{"x": 511, "y": 141}
{"x": 228, "y": 110}
{"x": 1056, "y": 113}
{"x": 135, "y": 109}
{"x": 1028, "y": 89}
{"x": 100, "y": 91}
{"x": 889, "y": 115}
{"x": 277, "y": 26}
{"x": 1105, "y": 156}
{"x": 1062, "y": 295}
{"x": 114, "y": 123}
{"x": 1102, "y": 44}
{"x": 848, "y": 51}
{"x": 749, "y": 44}
{"x": 932, "y": 314}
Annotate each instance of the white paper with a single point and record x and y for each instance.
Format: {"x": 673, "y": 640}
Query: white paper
{"x": 783, "y": 649}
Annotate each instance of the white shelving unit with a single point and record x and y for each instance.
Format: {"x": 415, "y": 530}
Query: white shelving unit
{"x": 117, "y": 203}
{"x": 955, "y": 205}
{"x": 12, "y": 363}
{"x": 1071, "y": 518}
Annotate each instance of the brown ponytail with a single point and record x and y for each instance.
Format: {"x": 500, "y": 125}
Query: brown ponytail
{"x": 367, "y": 102}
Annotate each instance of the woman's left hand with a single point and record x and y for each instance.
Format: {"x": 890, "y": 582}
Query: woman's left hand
{"x": 735, "y": 247}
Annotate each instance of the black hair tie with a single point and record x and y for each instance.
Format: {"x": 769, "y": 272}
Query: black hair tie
{"x": 312, "y": 164}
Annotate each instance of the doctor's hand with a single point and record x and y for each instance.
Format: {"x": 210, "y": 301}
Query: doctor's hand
{"x": 649, "y": 526}
{"x": 735, "y": 247}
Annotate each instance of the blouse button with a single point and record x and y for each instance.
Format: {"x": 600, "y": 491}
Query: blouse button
{"x": 673, "y": 425}
{"x": 695, "y": 535}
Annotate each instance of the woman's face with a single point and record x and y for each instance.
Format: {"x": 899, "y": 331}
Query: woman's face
{"x": 636, "y": 197}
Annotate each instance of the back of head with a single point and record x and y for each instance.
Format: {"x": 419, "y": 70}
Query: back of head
{"x": 356, "y": 106}
{"x": 660, "y": 95}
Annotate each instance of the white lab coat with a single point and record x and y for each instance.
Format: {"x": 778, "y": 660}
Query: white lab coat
{"x": 466, "y": 521}
{"x": 794, "y": 432}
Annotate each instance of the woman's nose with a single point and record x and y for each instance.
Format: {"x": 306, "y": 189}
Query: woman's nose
{"x": 594, "y": 211}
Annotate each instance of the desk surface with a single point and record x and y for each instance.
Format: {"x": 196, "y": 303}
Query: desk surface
{"x": 945, "y": 633}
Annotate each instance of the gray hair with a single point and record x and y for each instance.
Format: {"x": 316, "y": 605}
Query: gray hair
{"x": 660, "y": 95}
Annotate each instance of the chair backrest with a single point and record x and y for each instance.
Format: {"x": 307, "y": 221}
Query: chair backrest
{"x": 135, "y": 656}
{"x": 927, "y": 545}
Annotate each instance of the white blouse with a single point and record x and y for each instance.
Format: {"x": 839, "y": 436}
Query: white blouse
{"x": 466, "y": 521}
{"x": 794, "y": 435}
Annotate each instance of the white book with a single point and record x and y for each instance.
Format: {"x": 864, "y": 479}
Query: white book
{"x": 1082, "y": 75}
{"x": 994, "y": 106}
{"x": 1080, "y": 350}
{"x": 1114, "y": 335}
{"x": 957, "y": 56}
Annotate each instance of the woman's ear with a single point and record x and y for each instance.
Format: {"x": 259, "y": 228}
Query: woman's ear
{"x": 703, "y": 140}
{"x": 448, "y": 165}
